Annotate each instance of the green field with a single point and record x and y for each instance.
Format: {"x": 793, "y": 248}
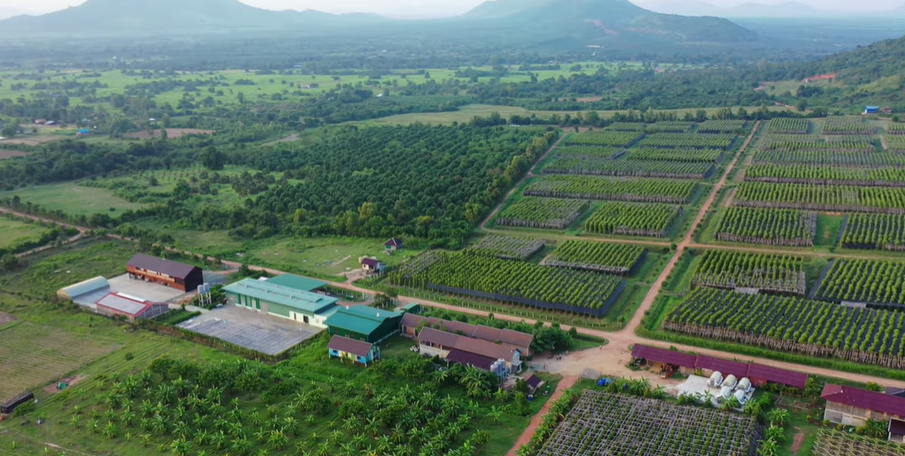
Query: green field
{"x": 74, "y": 199}
{"x": 15, "y": 232}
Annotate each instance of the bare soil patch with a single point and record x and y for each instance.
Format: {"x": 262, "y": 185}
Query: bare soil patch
{"x": 4, "y": 154}
{"x": 6, "y": 319}
{"x": 290, "y": 138}
{"x": 172, "y": 133}
{"x": 69, "y": 381}
{"x": 588, "y": 99}
{"x": 729, "y": 198}
{"x": 31, "y": 140}
{"x": 797, "y": 440}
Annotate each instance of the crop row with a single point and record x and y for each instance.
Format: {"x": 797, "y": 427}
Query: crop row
{"x": 895, "y": 129}
{"x": 821, "y": 197}
{"x": 667, "y": 126}
{"x": 826, "y": 175}
{"x": 599, "y": 188}
{"x": 734, "y": 270}
{"x": 550, "y": 213}
{"x": 515, "y": 281}
{"x": 895, "y": 143}
{"x": 846, "y": 125}
{"x": 721, "y": 126}
{"x": 628, "y": 168}
{"x": 865, "y": 160}
{"x": 838, "y": 443}
{"x": 777, "y": 227}
{"x": 866, "y": 281}
{"x": 625, "y": 126}
{"x": 507, "y": 248}
{"x": 588, "y": 151}
{"x": 602, "y": 138}
{"x": 841, "y": 146}
{"x": 617, "y": 259}
{"x": 628, "y": 219}
{"x": 788, "y": 126}
{"x": 814, "y": 328}
{"x": 688, "y": 141}
{"x": 875, "y": 231}
{"x": 684, "y": 155}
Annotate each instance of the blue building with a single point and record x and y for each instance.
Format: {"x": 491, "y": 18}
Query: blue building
{"x": 359, "y": 352}
{"x": 872, "y": 110}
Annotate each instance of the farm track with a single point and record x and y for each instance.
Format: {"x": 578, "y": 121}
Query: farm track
{"x": 80, "y": 235}
{"x": 536, "y": 421}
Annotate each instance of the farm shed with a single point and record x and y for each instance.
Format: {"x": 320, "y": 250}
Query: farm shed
{"x": 434, "y": 342}
{"x": 412, "y": 324}
{"x": 11, "y": 405}
{"x": 412, "y": 307}
{"x": 534, "y": 382}
{"x": 87, "y": 292}
{"x": 760, "y": 375}
{"x": 122, "y": 305}
{"x": 872, "y": 110}
{"x": 665, "y": 359}
{"x": 297, "y": 282}
{"x": 359, "y": 352}
{"x": 164, "y": 272}
{"x": 724, "y": 366}
{"x": 392, "y": 245}
{"x": 371, "y": 265}
{"x": 485, "y": 363}
{"x": 297, "y": 305}
{"x": 364, "y": 323}
{"x": 853, "y": 407}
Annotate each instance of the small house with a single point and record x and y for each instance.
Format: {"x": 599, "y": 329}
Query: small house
{"x": 886, "y": 110}
{"x": 82, "y": 133}
{"x": 872, "y": 110}
{"x": 853, "y": 407}
{"x": 534, "y": 382}
{"x": 371, "y": 266}
{"x": 392, "y": 245}
{"x": 359, "y": 352}
{"x": 40, "y": 121}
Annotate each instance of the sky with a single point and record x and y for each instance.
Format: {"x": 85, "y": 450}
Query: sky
{"x": 432, "y": 8}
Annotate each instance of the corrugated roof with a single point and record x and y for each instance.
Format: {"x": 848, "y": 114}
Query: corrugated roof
{"x": 863, "y": 399}
{"x": 359, "y": 319}
{"x": 724, "y": 366}
{"x": 355, "y": 347}
{"x": 289, "y": 297}
{"x": 475, "y": 346}
{"x": 774, "y": 375}
{"x": 393, "y": 243}
{"x": 896, "y": 427}
{"x": 438, "y": 337}
{"x": 370, "y": 262}
{"x": 470, "y": 359}
{"x": 660, "y": 355}
{"x": 371, "y": 312}
{"x": 490, "y": 334}
{"x": 85, "y": 287}
{"x": 123, "y": 304}
{"x": 297, "y": 282}
{"x": 170, "y": 268}
{"x": 534, "y": 381}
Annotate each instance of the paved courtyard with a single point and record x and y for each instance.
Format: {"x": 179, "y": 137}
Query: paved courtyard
{"x": 141, "y": 289}
{"x": 246, "y": 328}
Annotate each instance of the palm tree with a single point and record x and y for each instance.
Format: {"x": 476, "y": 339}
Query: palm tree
{"x": 778, "y": 416}
{"x": 495, "y": 414}
{"x": 767, "y": 448}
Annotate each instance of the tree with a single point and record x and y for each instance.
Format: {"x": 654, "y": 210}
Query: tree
{"x": 9, "y": 131}
{"x": 213, "y": 159}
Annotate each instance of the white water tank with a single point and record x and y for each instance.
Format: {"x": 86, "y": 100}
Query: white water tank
{"x": 716, "y": 379}
{"x": 726, "y": 392}
{"x": 744, "y": 384}
{"x": 741, "y": 396}
{"x": 730, "y": 381}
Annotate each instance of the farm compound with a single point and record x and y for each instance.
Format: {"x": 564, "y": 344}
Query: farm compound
{"x": 167, "y": 273}
{"x": 282, "y": 301}
{"x": 412, "y": 324}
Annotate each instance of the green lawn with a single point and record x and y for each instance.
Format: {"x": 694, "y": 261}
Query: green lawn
{"x": 74, "y": 199}
{"x": 15, "y": 232}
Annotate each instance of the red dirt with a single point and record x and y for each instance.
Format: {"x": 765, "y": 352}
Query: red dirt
{"x": 4, "y": 154}
{"x": 588, "y": 99}
{"x": 6, "y": 318}
{"x": 70, "y": 381}
{"x": 523, "y": 439}
{"x": 172, "y": 133}
{"x": 32, "y": 141}
{"x": 797, "y": 440}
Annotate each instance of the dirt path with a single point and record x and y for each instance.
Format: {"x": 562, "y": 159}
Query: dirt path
{"x": 535, "y": 423}
{"x": 79, "y": 235}
{"x": 797, "y": 440}
{"x": 521, "y": 181}
{"x": 729, "y": 198}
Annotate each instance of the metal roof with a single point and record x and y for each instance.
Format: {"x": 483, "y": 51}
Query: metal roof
{"x": 359, "y": 319}
{"x": 297, "y": 282}
{"x": 297, "y": 299}
{"x": 774, "y": 375}
{"x": 506, "y": 336}
{"x": 724, "y": 366}
{"x": 896, "y": 427}
{"x": 170, "y": 268}
{"x": 85, "y": 287}
{"x": 346, "y": 345}
{"x": 534, "y": 381}
{"x": 470, "y": 359}
{"x": 863, "y": 399}
{"x": 475, "y": 346}
{"x": 126, "y": 304}
{"x": 660, "y": 355}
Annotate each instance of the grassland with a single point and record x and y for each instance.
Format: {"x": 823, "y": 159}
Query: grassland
{"x": 74, "y": 199}
{"x": 15, "y": 232}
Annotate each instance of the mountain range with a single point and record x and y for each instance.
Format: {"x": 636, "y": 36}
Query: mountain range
{"x": 790, "y": 9}
{"x": 575, "y": 20}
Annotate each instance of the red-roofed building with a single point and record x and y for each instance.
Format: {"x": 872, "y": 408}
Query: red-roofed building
{"x": 760, "y": 375}
{"x": 392, "y": 245}
{"x": 666, "y": 360}
{"x": 853, "y": 407}
{"x": 359, "y": 352}
{"x": 896, "y": 431}
{"x": 413, "y": 323}
{"x": 723, "y": 366}
{"x": 371, "y": 266}
{"x": 130, "y": 307}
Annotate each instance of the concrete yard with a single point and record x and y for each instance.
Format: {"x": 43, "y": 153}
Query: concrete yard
{"x": 262, "y": 333}
{"x": 141, "y": 289}
{"x": 697, "y": 386}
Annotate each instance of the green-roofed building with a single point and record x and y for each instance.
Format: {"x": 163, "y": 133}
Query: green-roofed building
{"x": 282, "y": 301}
{"x": 364, "y": 323}
{"x": 299, "y": 283}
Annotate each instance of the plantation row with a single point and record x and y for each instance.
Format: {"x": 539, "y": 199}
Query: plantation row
{"x": 597, "y": 188}
{"x": 513, "y": 281}
{"x": 865, "y": 160}
{"x": 868, "y": 281}
{"x": 775, "y": 227}
{"x": 826, "y": 175}
{"x": 507, "y": 248}
{"x": 846, "y": 125}
{"x": 788, "y": 126}
{"x": 721, "y": 126}
{"x": 589, "y": 151}
{"x": 653, "y": 220}
{"x": 609, "y": 424}
{"x": 875, "y": 231}
{"x": 682, "y": 155}
{"x": 856, "y": 140}
{"x": 550, "y": 213}
{"x": 821, "y": 198}
{"x": 602, "y": 138}
{"x": 667, "y": 126}
{"x": 895, "y": 129}
{"x": 814, "y": 328}
{"x": 838, "y": 443}
{"x": 618, "y": 259}
{"x": 688, "y": 141}
{"x": 733, "y": 270}
{"x": 626, "y": 126}
{"x": 895, "y": 143}
{"x": 628, "y": 168}
{"x": 849, "y": 147}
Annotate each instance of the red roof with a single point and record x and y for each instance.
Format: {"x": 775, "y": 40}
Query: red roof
{"x": 723, "y": 366}
{"x": 896, "y": 427}
{"x": 370, "y": 262}
{"x": 506, "y": 336}
{"x": 774, "y": 375}
{"x": 393, "y": 243}
{"x": 660, "y": 355}
{"x": 346, "y": 345}
{"x": 470, "y": 359}
{"x": 154, "y": 264}
{"x": 863, "y": 399}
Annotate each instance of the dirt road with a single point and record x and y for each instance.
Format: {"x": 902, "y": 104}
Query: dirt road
{"x": 78, "y": 236}
{"x": 535, "y": 423}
